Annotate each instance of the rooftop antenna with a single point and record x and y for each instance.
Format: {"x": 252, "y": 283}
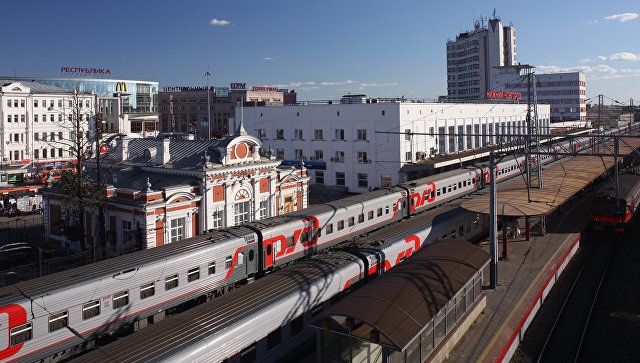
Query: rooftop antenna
{"x": 241, "y": 130}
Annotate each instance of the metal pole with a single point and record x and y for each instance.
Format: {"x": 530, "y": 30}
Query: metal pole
{"x": 493, "y": 224}
{"x": 208, "y": 74}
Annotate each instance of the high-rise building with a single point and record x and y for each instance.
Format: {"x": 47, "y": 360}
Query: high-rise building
{"x": 473, "y": 56}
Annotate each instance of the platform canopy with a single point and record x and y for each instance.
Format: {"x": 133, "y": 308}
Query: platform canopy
{"x": 561, "y": 181}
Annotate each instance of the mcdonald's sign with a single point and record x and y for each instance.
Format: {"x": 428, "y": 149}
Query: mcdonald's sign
{"x": 121, "y": 87}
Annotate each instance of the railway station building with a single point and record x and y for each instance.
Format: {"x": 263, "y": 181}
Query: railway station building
{"x": 159, "y": 191}
{"x": 359, "y": 144}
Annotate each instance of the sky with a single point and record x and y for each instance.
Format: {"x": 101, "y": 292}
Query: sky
{"x": 322, "y": 49}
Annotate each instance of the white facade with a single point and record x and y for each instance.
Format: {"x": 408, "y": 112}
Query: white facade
{"x": 363, "y": 146}
{"x": 37, "y": 123}
{"x": 566, "y": 93}
{"x": 473, "y": 56}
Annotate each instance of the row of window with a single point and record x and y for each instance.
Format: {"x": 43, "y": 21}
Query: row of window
{"x": 21, "y": 103}
{"x": 363, "y": 178}
{"x": 318, "y": 134}
{"x": 59, "y": 320}
{"x": 52, "y": 118}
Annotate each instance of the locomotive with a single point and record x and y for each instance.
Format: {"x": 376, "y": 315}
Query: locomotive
{"x": 611, "y": 214}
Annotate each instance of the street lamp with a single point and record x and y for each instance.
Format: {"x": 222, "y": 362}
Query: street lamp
{"x": 208, "y": 74}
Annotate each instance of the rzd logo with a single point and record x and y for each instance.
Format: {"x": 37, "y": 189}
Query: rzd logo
{"x": 121, "y": 87}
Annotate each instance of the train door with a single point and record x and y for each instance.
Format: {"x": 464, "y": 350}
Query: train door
{"x": 250, "y": 254}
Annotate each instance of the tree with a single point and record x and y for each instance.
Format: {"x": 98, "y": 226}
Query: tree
{"x": 78, "y": 120}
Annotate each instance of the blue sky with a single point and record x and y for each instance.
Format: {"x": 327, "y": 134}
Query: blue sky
{"x": 322, "y": 49}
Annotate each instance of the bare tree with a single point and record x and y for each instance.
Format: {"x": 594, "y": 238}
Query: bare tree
{"x": 77, "y": 119}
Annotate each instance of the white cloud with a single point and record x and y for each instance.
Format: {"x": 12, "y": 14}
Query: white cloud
{"x": 601, "y": 71}
{"x": 219, "y": 22}
{"x": 332, "y": 84}
{"x": 622, "y": 17}
{"x": 625, "y": 56}
{"x": 585, "y": 60}
{"x": 602, "y": 57}
{"x": 269, "y": 59}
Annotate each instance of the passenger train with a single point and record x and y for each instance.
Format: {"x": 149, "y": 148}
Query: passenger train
{"x": 611, "y": 214}
{"x": 265, "y": 320}
{"x": 42, "y": 317}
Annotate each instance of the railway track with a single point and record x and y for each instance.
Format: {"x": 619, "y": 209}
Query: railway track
{"x": 565, "y": 340}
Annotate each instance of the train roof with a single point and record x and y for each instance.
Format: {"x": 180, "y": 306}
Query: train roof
{"x": 214, "y": 317}
{"x": 629, "y": 185}
{"x": 112, "y": 266}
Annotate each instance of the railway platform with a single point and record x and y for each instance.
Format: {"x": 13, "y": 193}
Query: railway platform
{"x": 524, "y": 280}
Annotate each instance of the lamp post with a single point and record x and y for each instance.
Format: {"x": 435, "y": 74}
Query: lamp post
{"x": 208, "y": 74}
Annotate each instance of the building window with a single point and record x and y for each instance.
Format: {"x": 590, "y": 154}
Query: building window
{"x": 264, "y": 208}
{"x": 339, "y": 134}
{"x": 407, "y": 156}
{"x": 362, "y": 157}
{"x": 242, "y": 207}
{"x": 36, "y": 154}
{"x": 318, "y": 134}
{"x": 319, "y": 177}
{"x": 362, "y": 134}
{"x": 298, "y": 154}
{"x": 280, "y": 134}
{"x": 120, "y": 299}
{"x": 176, "y": 232}
{"x": 318, "y": 155}
{"x": 297, "y": 134}
{"x": 262, "y": 133}
{"x": 217, "y": 219}
{"x": 340, "y": 178}
{"x": 58, "y": 321}
{"x": 280, "y": 154}
{"x": 90, "y": 309}
{"x": 362, "y": 180}
{"x": 339, "y": 156}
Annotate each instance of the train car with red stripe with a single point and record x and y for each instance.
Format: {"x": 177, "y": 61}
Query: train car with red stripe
{"x": 49, "y": 316}
{"x": 265, "y": 320}
{"x": 611, "y": 214}
{"x": 295, "y": 235}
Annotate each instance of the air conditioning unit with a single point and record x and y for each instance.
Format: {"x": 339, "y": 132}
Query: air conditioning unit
{"x": 333, "y": 159}
{"x": 50, "y": 108}
{"x": 367, "y": 161}
{"x": 312, "y": 158}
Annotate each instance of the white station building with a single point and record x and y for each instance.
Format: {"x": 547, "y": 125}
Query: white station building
{"x": 363, "y": 145}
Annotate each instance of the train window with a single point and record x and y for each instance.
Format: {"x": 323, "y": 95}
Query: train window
{"x": 251, "y": 255}
{"x": 438, "y": 194}
{"x": 120, "y": 299}
{"x": 329, "y": 228}
{"x": 296, "y": 325}
{"x": 290, "y": 241}
{"x": 171, "y": 282}
{"x": 459, "y": 184}
{"x": 277, "y": 247}
{"x": 340, "y": 225}
{"x": 444, "y": 236}
{"x": 90, "y": 309}
{"x": 212, "y": 267}
{"x": 228, "y": 262}
{"x": 461, "y": 231}
{"x": 274, "y": 338}
{"x": 370, "y": 215}
{"x": 379, "y": 212}
{"x": 148, "y": 290}
{"x": 453, "y": 234}
{"x": 240, "y": 259}
{"x": 455, "y": 187}
{"x": 193, "y": 274}
{"x": 444, "y": 190}
{"x": 386, "y": 210}
{"x": 21, "y": 334}
{"x": 449, "y": 189}
{"x": 248, "y": 354}
{"x": 361, "y": 218}
{"x": 351, "y": 221}
{"x": 58, "y": 321}
{"x": 304, "y": 236}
